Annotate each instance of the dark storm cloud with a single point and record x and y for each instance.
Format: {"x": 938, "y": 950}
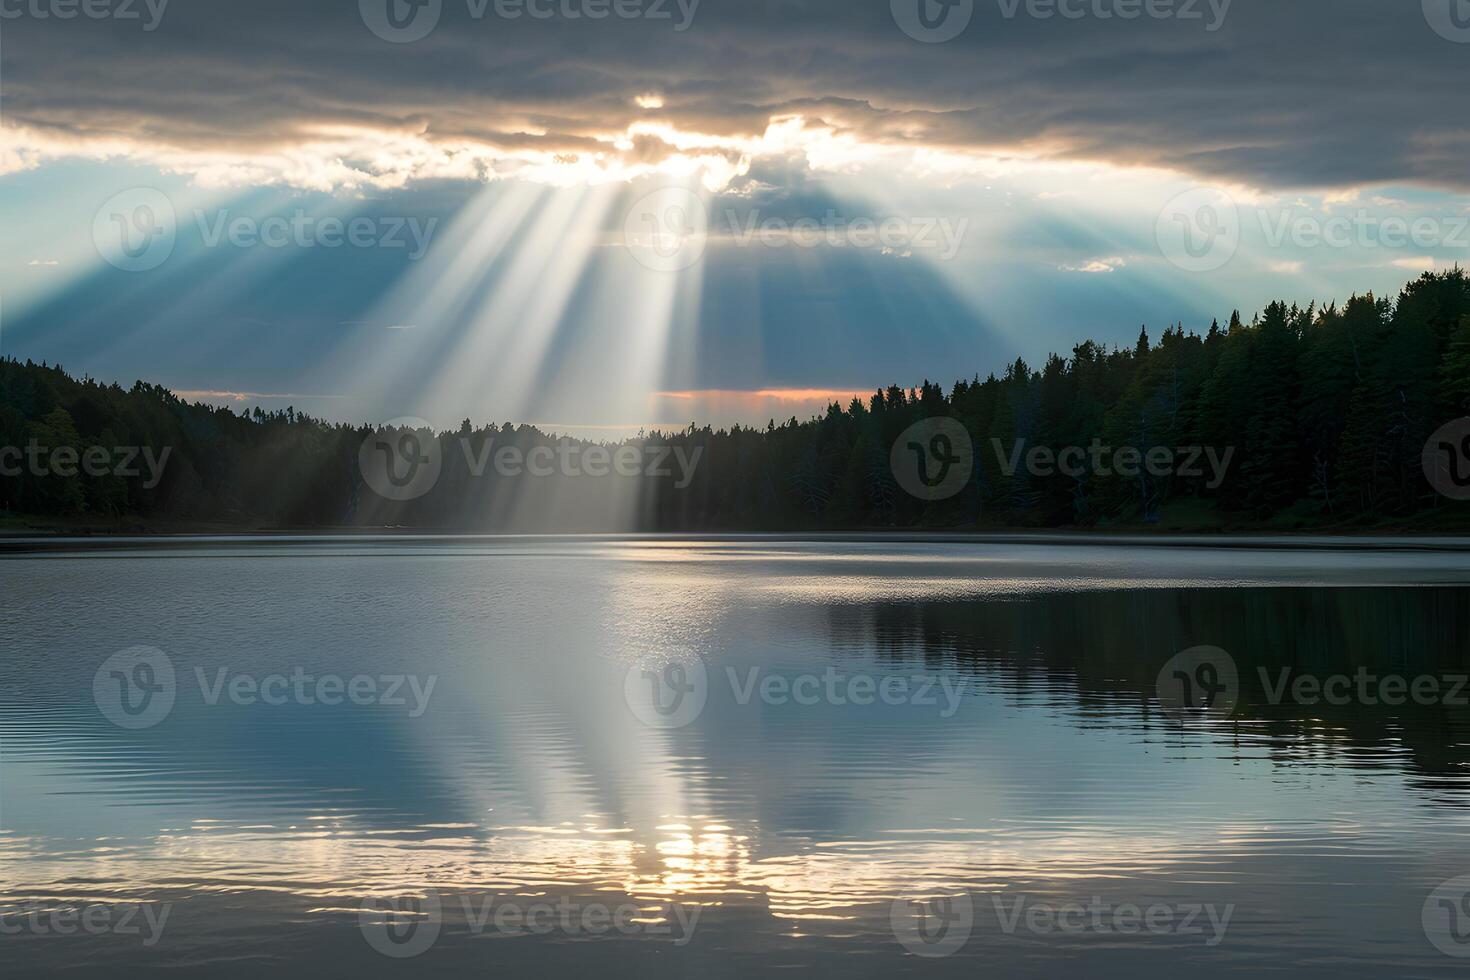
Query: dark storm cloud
{"x": 1309, "y": 93}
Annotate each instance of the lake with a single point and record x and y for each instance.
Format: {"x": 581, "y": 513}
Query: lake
{"x": 731, "y": 756}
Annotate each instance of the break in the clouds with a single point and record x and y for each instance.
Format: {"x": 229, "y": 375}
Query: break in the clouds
{"x": 441, "y": 208}
{"x": 327, "y": 96}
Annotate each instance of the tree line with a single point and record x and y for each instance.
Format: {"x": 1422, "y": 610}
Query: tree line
{"x": 1325, "y": 412}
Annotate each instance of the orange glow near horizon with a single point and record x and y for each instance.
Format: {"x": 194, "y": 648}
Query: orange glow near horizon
{"x": 839, "y": 395}
{"x": 756, "y": 406}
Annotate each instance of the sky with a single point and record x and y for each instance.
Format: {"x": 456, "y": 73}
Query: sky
{"x": 601, "y": 215}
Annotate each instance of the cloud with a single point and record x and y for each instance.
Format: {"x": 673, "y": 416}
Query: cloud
{"x": 757, "y": 405}
{"x": 1110, "y": 264}
{"x": 1424, "y": 263}
{"x": 209, "y": 395}
{"x": 825, "y": 395}
{"x": 303, "y": 94}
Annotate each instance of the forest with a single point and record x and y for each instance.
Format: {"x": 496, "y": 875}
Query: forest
{"x": 1324, "y": 412}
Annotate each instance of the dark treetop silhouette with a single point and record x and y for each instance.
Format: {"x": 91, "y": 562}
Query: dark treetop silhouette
{"x": 1325, "y": 413}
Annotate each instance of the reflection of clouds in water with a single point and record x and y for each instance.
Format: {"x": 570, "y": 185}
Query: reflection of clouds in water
{"x": 531, "y": 776}
{"x": 329, "y": 861}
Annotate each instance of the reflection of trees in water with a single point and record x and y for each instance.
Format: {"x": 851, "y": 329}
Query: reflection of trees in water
{"x": 1100, "y": 654}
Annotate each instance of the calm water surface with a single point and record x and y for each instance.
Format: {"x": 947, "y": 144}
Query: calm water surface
{"x": 751, "y": 754}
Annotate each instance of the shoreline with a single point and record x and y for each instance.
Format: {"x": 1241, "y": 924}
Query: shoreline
{"x": 19, "y": 544}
